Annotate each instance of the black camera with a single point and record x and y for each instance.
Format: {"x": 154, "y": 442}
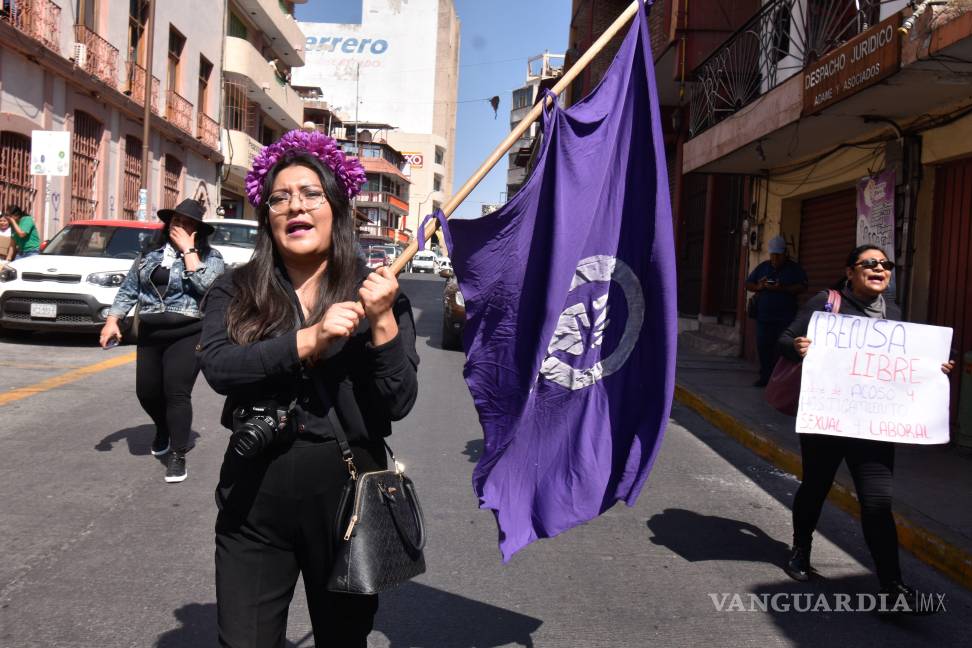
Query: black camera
{"x": 256, "y": 427}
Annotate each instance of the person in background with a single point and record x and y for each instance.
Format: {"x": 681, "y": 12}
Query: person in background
{"x": 169, "y": 284}
{"x": 23, "y": 233}
{"x": 871, "y": 463}
{"x": 5, "y": 242}
{"x": 776, "y": 282}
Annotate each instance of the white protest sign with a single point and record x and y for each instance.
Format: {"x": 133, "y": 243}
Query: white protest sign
{"x": 875, "y": 379}
{"x": 50, "y": 153}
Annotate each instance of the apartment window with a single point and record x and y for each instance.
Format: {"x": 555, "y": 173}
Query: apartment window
{"x": 235, "y": 109}
{"x": 439, "y": 155}
{"x": 176, "y": 44}
{"x": 88, "y": 14}
{"x": 15, "y": 178}
{"x": 133, "y": 177}
{"x": 171, "y": 182}
{"x": 267, "y": 135}
{"x": 205, "y": 72}
{"x": 236, "y": 27}
{"x": 437, "y": 182}
{"x": 522, "y": 98}
{"x": 137, "y": 18}
{"x": 84, "y": 165}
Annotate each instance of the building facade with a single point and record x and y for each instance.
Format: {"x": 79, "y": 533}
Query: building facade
{"x": 80, "y": 66}
{"x": 262, "y": 45}
{"x": 543, "y": 71}
{"x": 871, "y": 96}
{"x": 398, "y": 67}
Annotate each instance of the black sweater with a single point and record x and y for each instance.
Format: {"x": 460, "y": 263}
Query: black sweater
{"x": 850, "y": 305}
{"x": 370, "y": 385}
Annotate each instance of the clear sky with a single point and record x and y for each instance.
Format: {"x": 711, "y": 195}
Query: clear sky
{"x": 498, "y": 36}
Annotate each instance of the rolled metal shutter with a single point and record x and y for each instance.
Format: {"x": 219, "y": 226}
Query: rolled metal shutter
{"x": 828, "y": 232}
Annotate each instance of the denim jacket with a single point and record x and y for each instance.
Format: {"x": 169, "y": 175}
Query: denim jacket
{"x": 183, "y": 294}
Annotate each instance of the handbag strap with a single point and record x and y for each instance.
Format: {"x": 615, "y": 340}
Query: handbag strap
{"x": 346, "y": 454}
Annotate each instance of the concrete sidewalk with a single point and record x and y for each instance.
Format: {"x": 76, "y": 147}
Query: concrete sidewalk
{"x": 932, "y": 484}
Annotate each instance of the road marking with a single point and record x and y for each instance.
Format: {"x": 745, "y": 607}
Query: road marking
{"x": 64, "y": 379}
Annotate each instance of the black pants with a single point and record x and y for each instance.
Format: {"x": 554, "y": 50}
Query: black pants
{"x": 276, "y": 521}
{"x": 871, "y": 464}
{"x": 767, "y": 334}
{"x": 164, "y": 375}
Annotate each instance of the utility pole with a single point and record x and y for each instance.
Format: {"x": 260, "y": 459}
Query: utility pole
{"x": 147, "y": 114}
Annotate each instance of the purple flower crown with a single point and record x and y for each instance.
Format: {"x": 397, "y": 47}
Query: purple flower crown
{"x": 347, "y": 170}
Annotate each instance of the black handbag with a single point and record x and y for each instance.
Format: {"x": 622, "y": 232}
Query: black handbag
{"x": 379, "y": 526}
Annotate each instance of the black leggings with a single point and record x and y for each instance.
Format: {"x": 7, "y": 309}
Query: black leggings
{"x": 276, "y": 521}
{"x": 164, "y": 375}
{"x": 871, "y": 464}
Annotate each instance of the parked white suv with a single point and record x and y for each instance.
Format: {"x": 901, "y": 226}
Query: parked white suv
{"x": 423, "y": 261}
{"x": 234, "y": 238}
{"x": 71, "y": 284}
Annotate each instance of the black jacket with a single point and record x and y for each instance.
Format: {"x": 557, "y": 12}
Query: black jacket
{"x": 849, "y": 305}
{"x": 369, "y": 385}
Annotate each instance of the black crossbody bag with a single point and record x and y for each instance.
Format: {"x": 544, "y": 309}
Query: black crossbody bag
{"x": 380, "y": 530}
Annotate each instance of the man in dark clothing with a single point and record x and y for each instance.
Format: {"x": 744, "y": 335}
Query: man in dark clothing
{"x": 776, "y": 282}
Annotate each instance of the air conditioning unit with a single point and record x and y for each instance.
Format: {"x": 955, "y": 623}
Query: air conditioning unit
{"x": 79, "y": 54}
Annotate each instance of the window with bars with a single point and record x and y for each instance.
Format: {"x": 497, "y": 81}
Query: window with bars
{"x": 16, "y": 186}
{"x": 84, "y": 165}
{"x": 133, "y": 177}
{"x": 171, "y": 182}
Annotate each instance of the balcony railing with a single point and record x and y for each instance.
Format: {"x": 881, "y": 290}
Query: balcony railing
{"x": 776, "y": 43}
{"x": 39, "y": 19}
{"x": 136, "y": 85}
{"x": 384, "y": 198}
{"x": 178, "y": 110}
{"x": 389, "y": 233}
{"x": 207, "y": 130}
{"x": 100, "y": 58}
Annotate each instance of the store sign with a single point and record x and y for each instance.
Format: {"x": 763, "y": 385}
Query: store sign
{"x": 415, "y": 160}
{"x": 869, "y": 57}
{"x": 50, "y": 153}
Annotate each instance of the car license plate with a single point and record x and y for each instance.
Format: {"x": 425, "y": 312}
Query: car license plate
{"x": 44, "y": 311}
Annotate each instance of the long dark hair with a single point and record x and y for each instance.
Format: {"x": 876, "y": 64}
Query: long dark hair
{"x": 262, "y": 307}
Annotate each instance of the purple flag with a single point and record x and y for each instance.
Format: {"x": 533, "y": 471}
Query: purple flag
{"x": 570, "y": 312}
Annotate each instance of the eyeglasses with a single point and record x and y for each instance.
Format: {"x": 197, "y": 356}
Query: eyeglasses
{"x": 871, "y": 264}
{"x": 310, "y": 199}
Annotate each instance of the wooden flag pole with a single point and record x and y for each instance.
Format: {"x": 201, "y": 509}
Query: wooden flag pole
{"x": 515, "y": 134}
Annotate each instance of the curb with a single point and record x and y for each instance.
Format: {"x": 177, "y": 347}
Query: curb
{"x": 925, "y": 545}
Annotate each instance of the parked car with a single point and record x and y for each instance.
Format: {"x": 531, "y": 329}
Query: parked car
{"x": 377, "y": 258}
{"x": 71, "y": 284}
{"x": 423, "y": 261}
{"x": 234, "y": 238}
{"x": 453, "y": 312}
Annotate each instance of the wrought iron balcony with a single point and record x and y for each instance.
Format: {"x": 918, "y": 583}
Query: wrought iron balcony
{"x": 207, "y": 131}
{"x": 136, "y": 85}
{"x": 776, "y": 43}
{"x": 39, "y": 19}
{"x": 100, "y": 58}
{"x": 178, "y": 110}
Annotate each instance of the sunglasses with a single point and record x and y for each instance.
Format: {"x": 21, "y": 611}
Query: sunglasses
{"x": 871, "y": 264}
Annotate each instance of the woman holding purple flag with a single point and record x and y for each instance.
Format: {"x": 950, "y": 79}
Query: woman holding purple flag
{"x": 871, "y": 463}
{"x": 300, "y": 360}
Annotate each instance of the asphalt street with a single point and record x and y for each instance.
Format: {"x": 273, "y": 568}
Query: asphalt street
{"x": 97, "y": 551}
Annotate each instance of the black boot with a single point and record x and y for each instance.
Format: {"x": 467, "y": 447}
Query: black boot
{"x": 898, "y": 598}
{"x": 798, "y": 566}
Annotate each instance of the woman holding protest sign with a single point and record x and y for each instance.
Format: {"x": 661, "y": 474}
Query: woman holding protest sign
{"x": 871, "y": 463}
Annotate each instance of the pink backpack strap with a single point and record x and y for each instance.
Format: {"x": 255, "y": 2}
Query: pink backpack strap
{"x": 833, "y": 301}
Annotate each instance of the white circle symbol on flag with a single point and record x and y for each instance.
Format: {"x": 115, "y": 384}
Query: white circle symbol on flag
{"x": 579, "y": 329}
